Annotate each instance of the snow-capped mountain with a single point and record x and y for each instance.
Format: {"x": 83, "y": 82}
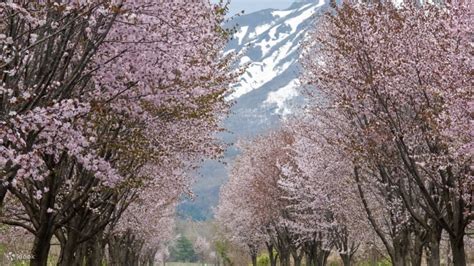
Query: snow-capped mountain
{"x": 268, "y": 43}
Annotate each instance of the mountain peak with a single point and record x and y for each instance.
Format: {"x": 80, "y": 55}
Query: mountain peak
{"x": 268, "y": 41}
{"x": 303, "y": 2}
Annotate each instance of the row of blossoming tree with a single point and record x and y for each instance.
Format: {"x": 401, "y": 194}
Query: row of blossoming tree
{"x": 106, "y": 107}
{"x": 381, "y": 154}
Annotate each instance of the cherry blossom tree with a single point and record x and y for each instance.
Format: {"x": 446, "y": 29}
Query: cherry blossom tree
{"x": 234, "y": 214}
{"x": 93, "y": 93}
{"x": 46, "y": 51}
{"x": 399, "y": 78}
{"x": 324, "y": 205}
{"x": 202, "y": 248}
{"x": 254, "y": 203}
{"x": 267, "y": 155}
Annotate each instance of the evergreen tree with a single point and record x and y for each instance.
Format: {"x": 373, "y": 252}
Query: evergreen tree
{"x": 183, "y": 250}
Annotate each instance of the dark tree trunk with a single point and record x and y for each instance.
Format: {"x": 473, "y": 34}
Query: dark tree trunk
{"x": 457, "y": 249}
{"x": 151, "y": 260}
{"x": 125, "y": 250}
{"x": 400, "y": 252}
{"x": 322, "y": 258}
{"x": 254, "y": 259}
{"x": 297, "y": 254}
{"x": 132, "y": 259}
{"x": 3, "y": 193}
{"x": 79, "y": 256}
{"x": 282, "y": 245}
{"x": 148, "y": 259}
{"x": 271, "y": 255}
{"x": 41, "y": 246}
{"x": 72, "y": 253}
{"x": 8, "y": 178}
{"x": 117, "y": 252}
{"x": 95, "y": 252}
{"x": 310, "y": 256}
{"x": 46, "y": 228}
{"x": 433, "y": 257}
{"x": 346, "y": 259}
{"x": 417, "y": 256}
{"x": 416, "y": 252}
{"x": 309, "y": 260}
{"x": 68, "y": 247}
{"x": 284, "y": 260}
{"x": 44, "y": 234}
{"x": 253, "y": 250}
{"x": 400, "y": 256}
{"x": 297, "y": 260}
{"x": 315, "y": 255}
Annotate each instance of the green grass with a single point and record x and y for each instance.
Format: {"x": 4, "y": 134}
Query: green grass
{"x": 384, "y": 262}
{"x": 186, "y": 264}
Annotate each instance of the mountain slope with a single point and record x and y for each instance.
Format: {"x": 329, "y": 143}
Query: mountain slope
{"x": 268, "y": 42}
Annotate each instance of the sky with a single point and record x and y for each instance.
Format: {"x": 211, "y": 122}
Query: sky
{"x": 254, "y": 5}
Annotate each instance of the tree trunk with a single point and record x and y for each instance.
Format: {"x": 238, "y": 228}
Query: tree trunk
{"x": 400, "y": 251}
{"x": 400, "y": 258}
{"x": 125, "y": 249}
{"x": 346, "y": 259}
{"x": 117, "y": 251}
{"x": 254, "y": 259}
{"x": 297, "y": 260}
{"x": 68, "y": 248}
{"x": 433, "y": 257}
{"x": 284, "y": 258}
{"x": 95, "y": 252}
{"x": 416, "y": 253}
{"x": 457, "y": 249}
{"x": 150, "y": 258}
{"x": 310, "y": 254}
{"x": 3, "y": 193}
{"x": 41, "y": 246}
{"x": 273, "y": 261}
{"x": 322, "y": 258}
{"x": 66, "y": 256}
{"x": 8, "y": 178}
{"x": 397, "y": 261}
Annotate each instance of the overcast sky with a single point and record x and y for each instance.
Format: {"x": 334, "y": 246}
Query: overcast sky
{"x": 254, "y": 5}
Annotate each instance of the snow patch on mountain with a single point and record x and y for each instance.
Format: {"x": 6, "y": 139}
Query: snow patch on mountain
{"x": 282, "y": 95}
{"x": 308, "y": 11}
{"x": 241, "y": 34}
